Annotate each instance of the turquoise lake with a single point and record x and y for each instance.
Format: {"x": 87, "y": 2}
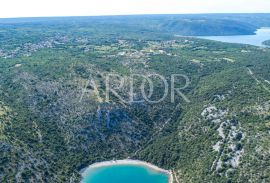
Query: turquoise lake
{"x": 123, "y": 174}
{"x": 262, "y": 35}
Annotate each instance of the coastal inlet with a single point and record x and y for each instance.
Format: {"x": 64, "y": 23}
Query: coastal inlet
{"x": 123, "y": 171}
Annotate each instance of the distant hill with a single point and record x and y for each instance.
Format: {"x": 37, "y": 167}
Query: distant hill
{"x": 187, "y": 25}
{"x": 208, "y": 27}
{"x": 267, "y": 42}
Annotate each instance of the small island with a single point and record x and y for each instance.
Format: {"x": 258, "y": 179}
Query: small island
{"x": 97, "y": 167}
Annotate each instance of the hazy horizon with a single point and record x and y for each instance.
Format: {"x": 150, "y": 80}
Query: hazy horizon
{"x": 67, "y": 8}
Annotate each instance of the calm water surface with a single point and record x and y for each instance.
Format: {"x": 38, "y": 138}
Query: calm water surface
{"x": 262, "y": 35}
{"x": 123, "y": 174}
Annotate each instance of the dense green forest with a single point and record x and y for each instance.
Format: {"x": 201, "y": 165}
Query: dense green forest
{"x": 49, "y": 131}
